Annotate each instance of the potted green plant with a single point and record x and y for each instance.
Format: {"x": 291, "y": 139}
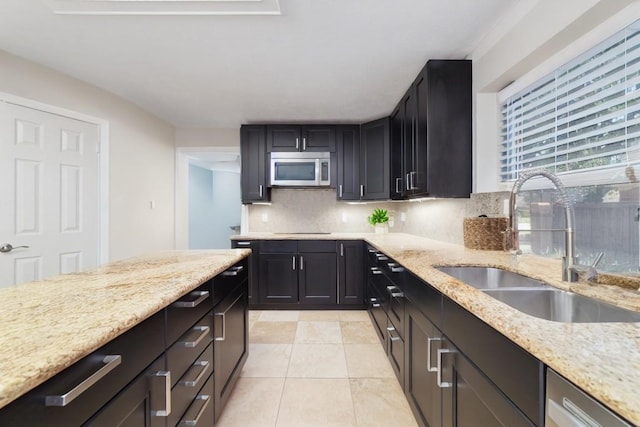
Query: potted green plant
{"x": 379, "y": 219}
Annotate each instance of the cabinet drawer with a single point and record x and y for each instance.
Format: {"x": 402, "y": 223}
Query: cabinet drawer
{"x": 317, "y": 246}
{"x": 192, "y": 343}
{"x": 101, "y": 375}
{"x": 188, "y": 387}
{"x": 200, "y": 413}
{"x": 279, "y": 246}
{"x": 182, "y": 314}
{"x": 226, "y": 281}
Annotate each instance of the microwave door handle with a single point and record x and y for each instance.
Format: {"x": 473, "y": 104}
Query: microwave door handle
{"x": 318, "y": 171}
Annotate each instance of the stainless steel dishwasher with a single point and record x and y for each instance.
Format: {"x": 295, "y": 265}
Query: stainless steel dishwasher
{"x": 568, "y": 406}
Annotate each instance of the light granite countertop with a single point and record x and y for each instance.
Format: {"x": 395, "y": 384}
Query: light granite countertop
{"x": 49, "y": 325}
{"x": 601, "y": 358}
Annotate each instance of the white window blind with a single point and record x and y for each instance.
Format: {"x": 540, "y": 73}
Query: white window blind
{"x": 583, "y": 119}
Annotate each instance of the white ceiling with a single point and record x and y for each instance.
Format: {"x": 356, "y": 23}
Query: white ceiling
{"x": 321, "y": 60}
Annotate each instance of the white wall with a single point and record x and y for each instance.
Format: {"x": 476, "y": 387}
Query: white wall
{"x": 141, "y": 154}
{"x": 532, "y": 40}
{"x": 208, "y": 137}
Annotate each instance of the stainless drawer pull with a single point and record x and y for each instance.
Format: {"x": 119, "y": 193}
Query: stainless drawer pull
{"x": 243, "y": 243}
{"x": 110, "y": 363}
{"x": 441, "y": 383}
{"x": 301, "y": 263}
{"x": 395, "y": 268}
{"x": 340, "y": 191}
{"x": 431, "y": 368}
{"x": 374, "y": 302}
{"x": 395, "y": 292}
{"x": 375, "y": 270}
{"x": 164, "y": 379}
{"x": 204, "y": 331}
{"x": 381, "y": 257}
{"x": 193, "y": 382}
{"x": 205, "y": 399}
{"x": 261, "y": 190}
{"x": 233, "y": 271}
{"x": 304, "y": 144}
{"x": 202, "y": 296}
{"x": 342, "y": 249}
{"x": 392, "y": 336}
{"x": 297, "y": 143}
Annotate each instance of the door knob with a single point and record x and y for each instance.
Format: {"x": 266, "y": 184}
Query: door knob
{"x": 8, "y": 247}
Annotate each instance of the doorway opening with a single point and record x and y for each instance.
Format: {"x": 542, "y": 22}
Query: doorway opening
{"x": 209, "y": 210}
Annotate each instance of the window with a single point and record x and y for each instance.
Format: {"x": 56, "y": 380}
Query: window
{"x": 583, "y": 120}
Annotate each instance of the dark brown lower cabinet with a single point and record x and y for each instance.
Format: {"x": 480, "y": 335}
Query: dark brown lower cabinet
{"x": 135, "y": 406}
{"x": 176, "y": 368}
{"x": 231, "y": 343}
{"x": 351, "y": 276}
{"x": 470, "y": 399}
{"x": 318, "y": 275}
{"x": 421, "y": 386}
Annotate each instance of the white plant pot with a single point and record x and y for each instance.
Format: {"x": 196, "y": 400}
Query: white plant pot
{"x": 381, "y": 228}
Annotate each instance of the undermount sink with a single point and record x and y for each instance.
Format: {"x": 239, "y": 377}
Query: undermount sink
{"x": 491, "y": 278}
{"x": 562, "y": 306}
{"x": 538, "y": 299}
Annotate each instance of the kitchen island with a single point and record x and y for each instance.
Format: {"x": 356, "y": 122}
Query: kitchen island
{"x": 49, "y": 325}
{"x": 601, "y": 358}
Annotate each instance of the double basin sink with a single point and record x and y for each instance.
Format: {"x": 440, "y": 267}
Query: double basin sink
{"x": 538, "y": 299}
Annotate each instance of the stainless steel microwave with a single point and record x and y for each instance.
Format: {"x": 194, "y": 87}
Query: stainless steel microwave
{"x": 300, "y": 169}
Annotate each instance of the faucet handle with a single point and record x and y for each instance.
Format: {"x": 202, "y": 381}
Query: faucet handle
{"x": 597, "y": 259}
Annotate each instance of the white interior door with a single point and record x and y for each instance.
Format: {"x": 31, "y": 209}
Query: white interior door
{"x": 49, "y": 192}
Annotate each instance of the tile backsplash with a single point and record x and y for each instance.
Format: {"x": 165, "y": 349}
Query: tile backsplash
{"x": 317, "y": 210}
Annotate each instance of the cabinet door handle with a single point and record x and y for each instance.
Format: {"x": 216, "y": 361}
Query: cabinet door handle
{"x": 204, "y": 331}
{"x": 441, "y": 352}
{"x": 392, "y": 335}
{"x": 398, "y": 185}
{"x": 375, "y": 270}
{"x": 395, "y": 267}
{"x": 261, "y": 190}
{"x": 293, "y": 262}
{"x": 297, "y": 143}
{"x": 374, "y": 302}
{"x": 233, "y": 271}
{"x": 408, "y": 181}
{"x": 395, "y": 292}
{"x": 431, "y": 368}
{"x": 223, "y": 315}
{"x": 304, "y": 144}
{"x": 342, "y": 249}
{"x": 301, "y": 263}
{"x": 340, "y": 191}
{"x": 163, "y": 378}
{"x": 202, "y": 296}
{"x": 362, "y": 191}
{"x": 382, "y": 257}
{"x": 243, "y": 243}
{"x": 110, "y": 363}
{"x": 204, "y": 400}
{"x": 191, "y": 379}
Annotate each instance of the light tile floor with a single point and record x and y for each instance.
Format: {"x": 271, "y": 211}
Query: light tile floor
{"x": 315, "y": 369}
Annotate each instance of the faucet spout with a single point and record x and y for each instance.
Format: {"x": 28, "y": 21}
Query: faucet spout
{"x": 569, "y": 259}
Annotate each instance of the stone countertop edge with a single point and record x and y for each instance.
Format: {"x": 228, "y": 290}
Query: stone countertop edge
{"x": 601, "y": 358}
{"x": 49, "y": 325}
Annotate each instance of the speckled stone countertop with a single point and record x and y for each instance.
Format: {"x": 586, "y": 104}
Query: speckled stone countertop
{"x": 49, "y": 325}
{"x": 601, "y": 358}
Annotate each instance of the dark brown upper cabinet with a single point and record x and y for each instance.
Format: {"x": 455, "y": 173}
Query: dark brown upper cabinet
{"x": 431, "y": 132}
{"x": 253, "y": 158}
{"x": 301, "y": 138}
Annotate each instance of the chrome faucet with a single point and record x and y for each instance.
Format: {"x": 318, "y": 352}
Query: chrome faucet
{"x": 570, "y": 266}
